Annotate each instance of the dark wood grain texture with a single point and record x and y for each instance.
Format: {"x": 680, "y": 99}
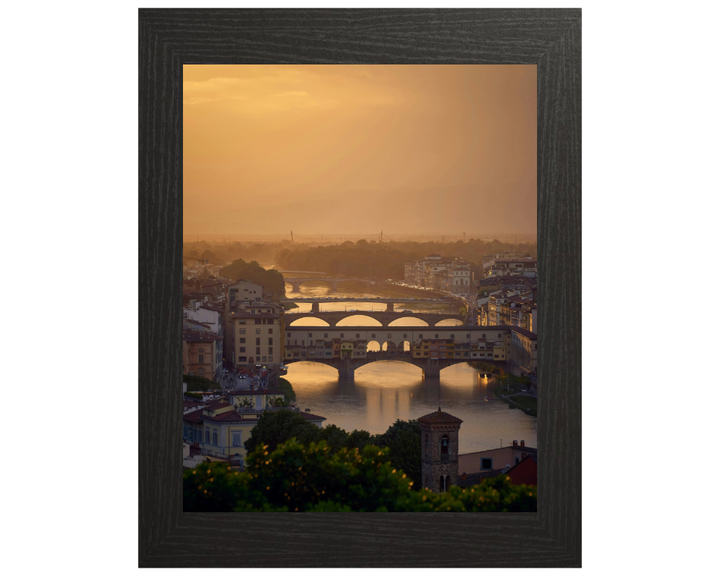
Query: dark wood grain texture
{"x": 549, "y": 39}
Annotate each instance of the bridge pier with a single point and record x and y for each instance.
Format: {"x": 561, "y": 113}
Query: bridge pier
{"x": 390, "y": 307}
{"x": 333, "y": 287}
{"x": 431, "y": 370}
{"x": 316, "y": 307}
{"x": 295, "y": 286}
{"x": 346, "y": 371}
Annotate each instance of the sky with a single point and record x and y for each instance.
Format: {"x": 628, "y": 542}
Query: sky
{"x": 358, "y": 149}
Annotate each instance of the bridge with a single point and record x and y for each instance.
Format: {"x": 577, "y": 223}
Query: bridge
{"x": 385, "y": 317}
{"x": 431, "y": 367}
{"x": 394, "y": 339}
{"x": 377, "y": 300}
{"x": 295, "y": 282}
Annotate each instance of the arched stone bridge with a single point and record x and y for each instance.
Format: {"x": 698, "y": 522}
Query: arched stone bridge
{"x": 346, "y": 367}
{"x": 331, "y": 282}
{"x": 384, "y": 317}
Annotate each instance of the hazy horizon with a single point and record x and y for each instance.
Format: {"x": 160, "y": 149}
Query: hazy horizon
{"x": 409, "y": 150}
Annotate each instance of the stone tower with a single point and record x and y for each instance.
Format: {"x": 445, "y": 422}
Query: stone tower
{"x": 440, "y": 432}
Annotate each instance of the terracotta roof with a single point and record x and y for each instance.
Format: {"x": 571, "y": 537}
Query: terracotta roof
{"x": 193, "y": 417}
{"x": 195, "y": 336}
{"x": 523, "y": 332}
{"x": 230, "y": 416}
{"x": 219, "y": 403}
{"x": 439, "y": 417}
{"x": 192, "y": 404}
{"x": 309, "y": 416}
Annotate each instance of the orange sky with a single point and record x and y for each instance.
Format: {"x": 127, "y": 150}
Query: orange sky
{"x": 356, "y": 149}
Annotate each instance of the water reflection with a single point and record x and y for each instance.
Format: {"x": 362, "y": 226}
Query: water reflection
{"x": 385, "y": 391}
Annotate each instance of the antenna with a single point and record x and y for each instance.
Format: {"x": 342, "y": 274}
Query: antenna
{"x": 292, "y": 240}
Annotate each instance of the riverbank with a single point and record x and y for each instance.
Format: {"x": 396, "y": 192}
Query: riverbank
{"x": 512, "y": 394}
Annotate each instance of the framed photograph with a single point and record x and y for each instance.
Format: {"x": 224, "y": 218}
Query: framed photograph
{"x": 343, "y": 204}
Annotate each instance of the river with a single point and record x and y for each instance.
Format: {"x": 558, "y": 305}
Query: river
{"x": 386, "y": 391}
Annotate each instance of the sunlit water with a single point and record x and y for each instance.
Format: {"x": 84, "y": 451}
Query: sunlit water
{"x": 387, "y": 391}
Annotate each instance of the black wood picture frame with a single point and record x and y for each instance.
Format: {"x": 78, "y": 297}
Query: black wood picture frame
{"x": 547, "y": 38}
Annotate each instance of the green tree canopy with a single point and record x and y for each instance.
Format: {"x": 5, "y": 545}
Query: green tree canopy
{"x": 271, "y": 280}
{"x": 311, "y": 478}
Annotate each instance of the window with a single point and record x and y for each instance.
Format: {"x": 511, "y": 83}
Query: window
{"x": 270, "y": 341}
{"x": 236, "y": 438}
{"x": 242, "y": 330}
{"x": 215, "y": 443}
{"x": 517, "y": 460}
{"x": 310, "y": 334}
{"x": 257, "y": 341}
{"x": 389, "y": 335}
{"x": 270, "y": 330}
{"x": 264, "y": 359}
{"x": 357, "y": 335}
{"x": 486, "y": 464}
{"x": 207, "y": 436}
{"x": 342, "y": 335}
{"x": 325, "y": 335}
{"x": 437, "y": 335}
{"x": 270, "y": 350}
{"x": 258, "y": 321}
{"x": 404, "y": 335}
{"x": 201, "y": 359}
{"x": 445, "y": 447}
{"x": 270, "y": 358}
{"x": 257, "y": 350}
{"x": 257, "y": 330}
{"x": 443, "y": 483}
{"x": 373, "y": 335}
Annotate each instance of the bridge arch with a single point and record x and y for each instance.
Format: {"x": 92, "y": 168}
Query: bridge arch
{"x": 367, "y": 320}
{"x": 373, "y": 346}
{"x": 415, "y": 321}
{"x": 449, "y": 322}
{"x": 308, "y": 320}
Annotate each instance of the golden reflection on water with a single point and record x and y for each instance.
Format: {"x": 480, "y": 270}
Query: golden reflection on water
{"x": 383, "y": 392}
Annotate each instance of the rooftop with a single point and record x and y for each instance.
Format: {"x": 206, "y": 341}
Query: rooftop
{"x": 194, "y": 336}
{"x": 439, "y": 417}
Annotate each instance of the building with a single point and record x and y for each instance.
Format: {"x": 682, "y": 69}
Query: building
{"x": 202, "y": 354}
{"x": 258, "y": 330}
{"x": 526, "y": 267}
{"x": 220, "y": 428}
{"x": 440, "y": 440}
{"x": 522, "y": 357}
{"x": 494, "y": 459}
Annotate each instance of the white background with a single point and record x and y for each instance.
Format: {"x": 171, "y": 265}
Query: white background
{"x": 650, "y": 354}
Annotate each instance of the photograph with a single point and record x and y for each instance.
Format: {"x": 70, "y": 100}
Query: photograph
{"x": 359, "y": 288}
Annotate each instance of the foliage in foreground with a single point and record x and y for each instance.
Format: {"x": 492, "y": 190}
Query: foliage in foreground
{"x": 297, "y": 478}
{"x": 286, "y": 387}
{"x": 198, "y": 383}
{"x": 402, "y": 438}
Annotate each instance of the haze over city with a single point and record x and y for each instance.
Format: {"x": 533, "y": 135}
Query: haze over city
{"x": 356, "y": 149}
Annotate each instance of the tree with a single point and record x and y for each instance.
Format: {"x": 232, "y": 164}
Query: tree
{"x": 278, "y": 426}
{"x": 271, "y": 280}
{"x": 310, "y": 478}
{"x": 404, "y": 441}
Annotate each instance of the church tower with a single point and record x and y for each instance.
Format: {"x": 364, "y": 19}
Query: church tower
{"x": 440, "y": 432}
